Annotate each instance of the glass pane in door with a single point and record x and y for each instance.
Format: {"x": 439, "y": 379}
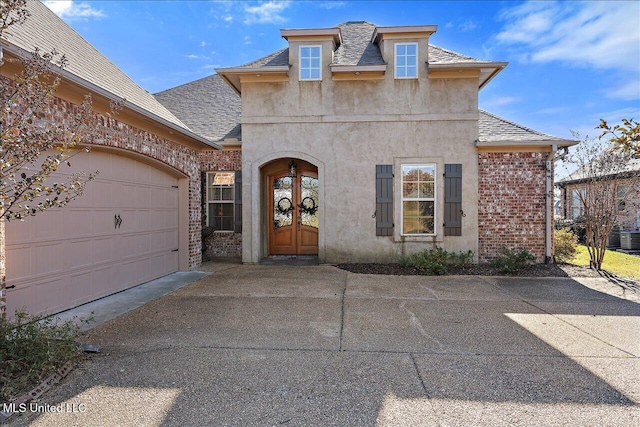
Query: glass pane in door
{"x": 282, "y": 202}
{"x": 309, "y": 201}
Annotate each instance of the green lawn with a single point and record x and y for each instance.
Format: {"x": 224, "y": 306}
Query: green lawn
{"x": 622, "y": 265}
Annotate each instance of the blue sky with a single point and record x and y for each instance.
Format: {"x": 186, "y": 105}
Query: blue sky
{"x": 570, "y": 63}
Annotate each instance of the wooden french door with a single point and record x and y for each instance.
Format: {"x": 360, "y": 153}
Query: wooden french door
{"x": 293, "y": 213}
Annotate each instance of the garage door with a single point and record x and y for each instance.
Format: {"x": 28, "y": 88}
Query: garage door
{"x": 122, "y": 232}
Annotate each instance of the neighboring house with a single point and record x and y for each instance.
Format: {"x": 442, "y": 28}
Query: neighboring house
{"x": 149, "y": 178}
{"x": 626, "y": 193}
{"x": 354, "y": 143}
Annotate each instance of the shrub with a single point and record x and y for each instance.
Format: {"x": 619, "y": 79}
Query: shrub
{"x": 512, "y": 260}
{"x": 579, "y": 228}
{"x": 32, "y": 348}
{"x": 564, "y": 245}
{"x": 437, "y": 261}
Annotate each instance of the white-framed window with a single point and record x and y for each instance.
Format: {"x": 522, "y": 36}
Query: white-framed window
{"x": 418, "y": 209}
{"x": 406, "y": 60}
{"x": 576, "y": 205}
{"x": 310, "y": 62}
{"x": 220, "y": 200}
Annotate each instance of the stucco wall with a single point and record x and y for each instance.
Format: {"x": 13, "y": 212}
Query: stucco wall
{"x": 346, "y": 128}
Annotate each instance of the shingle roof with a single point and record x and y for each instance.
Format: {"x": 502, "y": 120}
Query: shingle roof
{"x": 276, "y": 59}
{"x": 45, "y": 30}
{"x": 358, "y": 49}
{"x": 209, "y": 106}
{"x": 438, "y": 55}
{"x": 492, "y": 128}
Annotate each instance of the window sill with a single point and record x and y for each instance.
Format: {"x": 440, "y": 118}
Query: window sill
{"x": 419, "y": 238}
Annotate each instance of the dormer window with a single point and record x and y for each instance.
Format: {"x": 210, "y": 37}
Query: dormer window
{"x": 406, "y": 60}
{"x": 310, "y": 63}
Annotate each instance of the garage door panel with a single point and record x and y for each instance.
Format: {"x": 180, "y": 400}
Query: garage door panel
{"x": 80, "y": 252}
{"x": 76, "y": 254}
{"x": 38, "y": 228}
{"x": 48, "y": 259}
{"x": 101, "y": 194}
{"x": 102, "y": 250}
{"x": 20, "y": 261}
{"x": 103, "y": 222}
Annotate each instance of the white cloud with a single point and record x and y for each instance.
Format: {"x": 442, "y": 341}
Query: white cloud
{"x": 333, "y": 4}
{"x": 73, "y": 9}
{"x": 467, "y": 25}
{"x": 499, "y": 101}
{"x": 601, "y": 35}
{"x": 266, "y": 13}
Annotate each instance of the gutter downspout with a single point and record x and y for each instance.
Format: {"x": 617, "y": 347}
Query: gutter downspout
{"x": 549, "y": 205}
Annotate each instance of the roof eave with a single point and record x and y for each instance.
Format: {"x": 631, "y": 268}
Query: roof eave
{"x": 91, "y": 87}
{"x": 527, "y": 143}
{"x": 334, "y": 33}
{"x": 488, "y": 70}
{"x": 380, "y": 32}
{"x": 233, "y": 75}
{"x": 357, "y": 68}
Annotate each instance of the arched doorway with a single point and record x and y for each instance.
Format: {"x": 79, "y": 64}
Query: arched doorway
{"x": 292, "y": 208}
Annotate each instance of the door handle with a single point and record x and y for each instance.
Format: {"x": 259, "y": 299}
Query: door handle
{"x": 117, "y": 221}
{"x": 299, "y": 220}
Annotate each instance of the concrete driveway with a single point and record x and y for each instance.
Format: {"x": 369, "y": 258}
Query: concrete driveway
{"x": 317, "y": 346}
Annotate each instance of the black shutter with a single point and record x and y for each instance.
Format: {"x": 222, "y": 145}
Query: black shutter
{"x": 384, "y": 200}
{"x": 203, "y": 197}
{"x": 453, "y": 200}
{"x": 237, "y": 226}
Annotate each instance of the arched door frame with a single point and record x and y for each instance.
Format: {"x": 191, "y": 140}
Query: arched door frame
{"x": 254, "y": 239}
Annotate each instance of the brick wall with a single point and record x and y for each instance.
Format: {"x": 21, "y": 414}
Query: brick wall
{"x": 222, "y": 244}
{"x": 511, "y": 210}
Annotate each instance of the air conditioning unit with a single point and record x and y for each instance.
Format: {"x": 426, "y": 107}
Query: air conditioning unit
{"x": 630, "y": 240}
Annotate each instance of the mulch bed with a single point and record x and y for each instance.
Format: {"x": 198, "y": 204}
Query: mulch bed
{"x": 536, "y": 270}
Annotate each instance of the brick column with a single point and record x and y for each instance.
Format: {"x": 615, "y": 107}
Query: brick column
{"x": 511, "y": 206}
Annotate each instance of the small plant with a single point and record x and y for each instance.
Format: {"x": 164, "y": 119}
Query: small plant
{"x": 437, "y": 261}
{"x": 564, "y": 245}
{"x": 31, "y": 348}
{"x": 512, "y": 260}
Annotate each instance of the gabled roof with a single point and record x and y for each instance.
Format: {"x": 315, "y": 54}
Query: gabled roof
{"x": 86, "y": 65}
{"x": 495, "y": 131}
{"x": 208, "y": 106}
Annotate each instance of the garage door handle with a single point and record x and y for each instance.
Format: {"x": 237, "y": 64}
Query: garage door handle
{"x": 10, "y": 287}
{"x": 117, "y": 221}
